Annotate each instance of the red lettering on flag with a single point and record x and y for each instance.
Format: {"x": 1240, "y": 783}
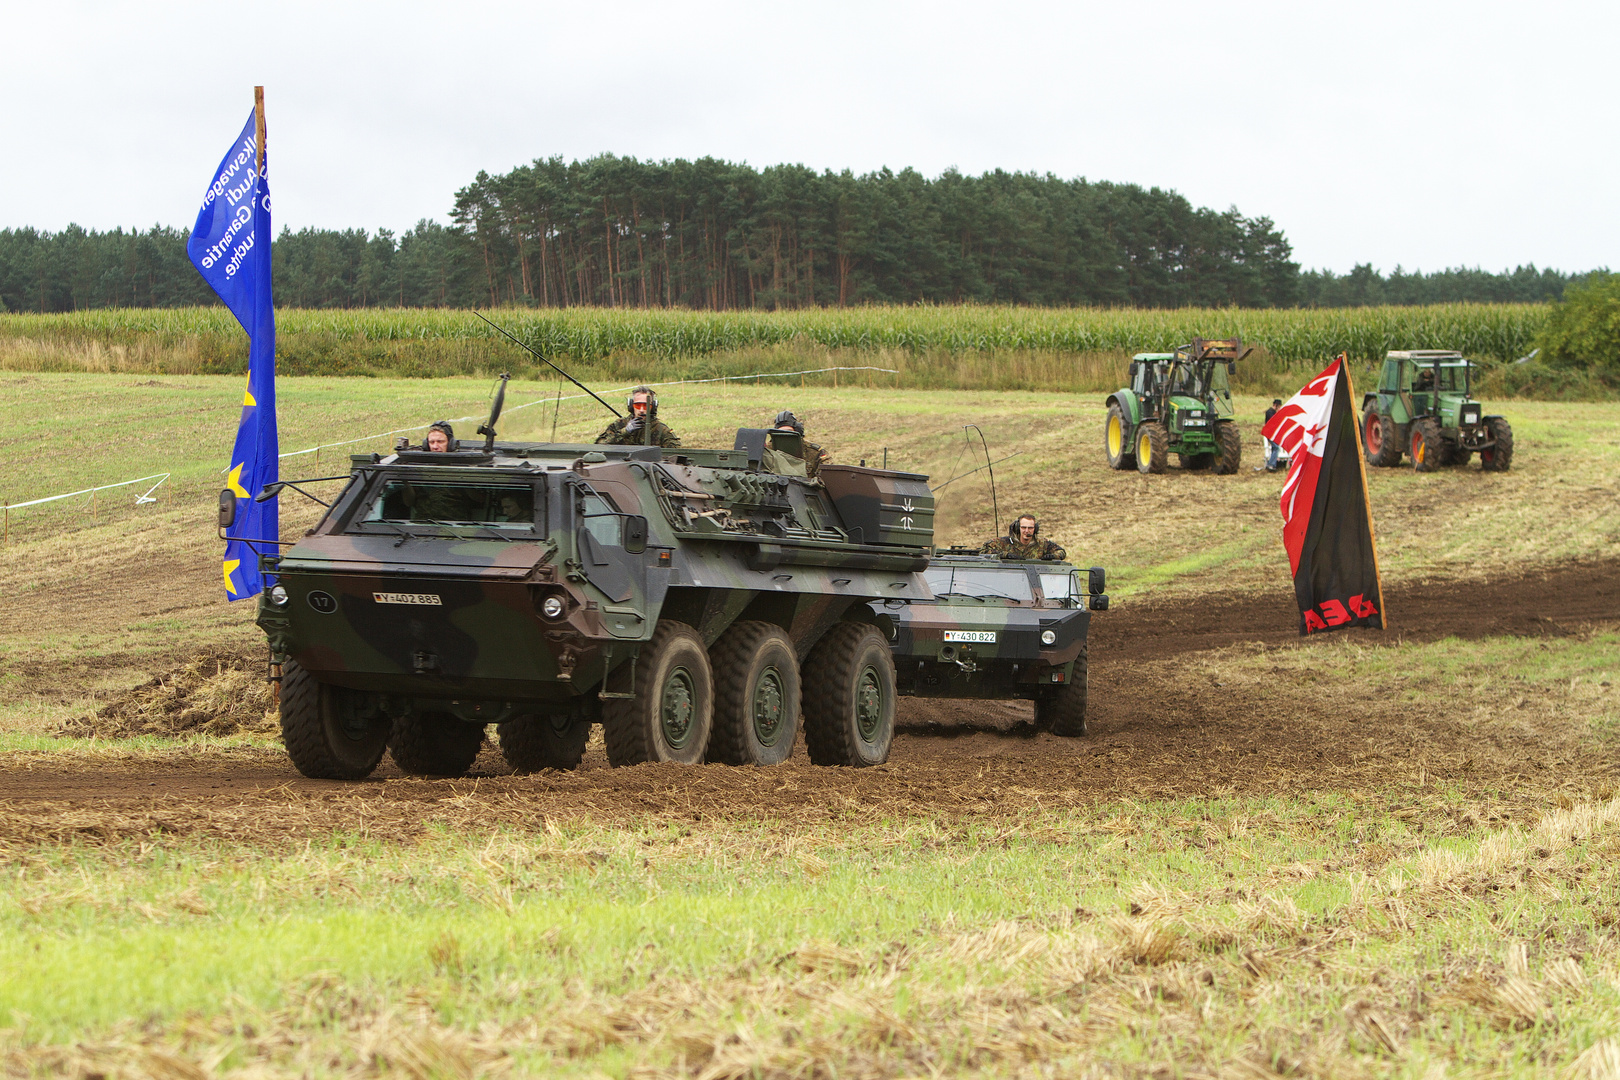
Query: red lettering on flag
{"x": 1334, "y": 613}
{"x": 1362, "y": 607}
{"x": 1313, "y": 622}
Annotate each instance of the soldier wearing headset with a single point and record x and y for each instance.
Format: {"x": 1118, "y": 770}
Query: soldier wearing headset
{"x": 642, "y": 427}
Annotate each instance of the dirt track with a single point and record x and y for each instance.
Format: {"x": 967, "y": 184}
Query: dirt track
{"x": 951, "y": 759}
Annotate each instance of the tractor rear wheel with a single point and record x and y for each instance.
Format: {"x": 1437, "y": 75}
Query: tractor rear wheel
{"x": 1378, "y": 440}
{"x": 322, "y": 742}
{"x": 1428, "y": 451}
{"x": 530, "y": 743}
{"x": 756, "y": 695}
{"x": 670, "y": 717}
{"x": 1497, "y": 458}
{"x": 1117, "y": 439}
{"x": 1064, "y": 713}
{"x": 849, "y": 698}
{"x": 1229, "y": 443}
{"x": 1196, "y": 462}
{"x": 1152, "y": 448}
{"x": 434, "y": 744}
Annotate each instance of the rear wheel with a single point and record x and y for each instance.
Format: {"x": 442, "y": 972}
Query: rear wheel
{"x": 1064, "y": 713}
{"x": 1428, "y": 453}
{"x": 1378, "y": 440}
{"x": 849, "y": 698}
{"x": 1497, "y": 458}
{"x": 324, "y": 740}
{"x": 1195, "y": 462}
{"x": 1152, "y": 448}
{"x": 1116, "y": 439}
{"x": 673, "y": 709}
{"x": 756, "y": 695}
{"x": 434, "y": 744}
{"x": 530, "y": 743}
{"x": 1229, "y": 448}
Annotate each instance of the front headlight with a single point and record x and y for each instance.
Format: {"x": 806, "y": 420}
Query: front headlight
{"x": 552, "y": 607}
{"x": 1048, "y": 637}
{"x": 278, "y": 595}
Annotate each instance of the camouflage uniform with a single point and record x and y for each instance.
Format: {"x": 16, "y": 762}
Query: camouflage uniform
{"x": 1005, "y": 547}
{"x": 814, "y": 458}
{"x": 615, "y": 435}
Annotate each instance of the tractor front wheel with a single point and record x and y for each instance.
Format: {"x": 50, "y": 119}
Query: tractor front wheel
{"x": 1116, "y": 439}
{"x": 1497, "y": 458}
{"x": 1229, "y": 448}
{"x": 1152, "y": 448}
{"x": 1378, "y": 440}
{"x": 1428, "y": 449}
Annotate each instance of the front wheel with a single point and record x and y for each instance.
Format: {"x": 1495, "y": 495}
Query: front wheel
{"x": 849, "y": 697}
{"x": 1229, "y": 448}
{"x": 1152, "y": 448}
{"x": 530, "y": 743}
{"x": 1498, "y": 457}
{"x": 1116, "y": 439}
{"x": 325, "y": 740}
{"x": 1064, "y": 713}
{"x": 1427, "y": 452}
{"x": 1378, "y": 440}
{"x": 756, "y": 695}
{"x": 672, "y": 712}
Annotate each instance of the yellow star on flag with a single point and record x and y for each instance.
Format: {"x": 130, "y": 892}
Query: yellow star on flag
{"x": 234, "y": 482}
{"x": 231, "y": 564}
{"x": 247, "y": 394}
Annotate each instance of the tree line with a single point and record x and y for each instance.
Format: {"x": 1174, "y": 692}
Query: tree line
{"x": 712, "y": 235}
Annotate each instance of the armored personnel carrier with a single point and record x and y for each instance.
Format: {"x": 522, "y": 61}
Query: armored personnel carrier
{"x": 692, "y": 602}
{"x": 999, "y": 629}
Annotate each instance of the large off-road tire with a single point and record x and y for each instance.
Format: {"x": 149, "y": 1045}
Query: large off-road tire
{"x": 849, "y": 697}
{"x": 1497, "y": 458}
{"x": 1195, "y": 462}
{"x": 1427, "y": 448}
{"x": 1378, "y": 440}
{"x": 1064, "y": 713}
{"x": 756, "y": 695}
{"x": 1152, "y": 448}
{"x": 322, "y": 745}
{"x": 531, "y": 742}
{"x": 1117, "y": 439}
{"x": 434, "y": 744}
{"x": 1229, "y": 444}
{"x": 672, "y": 713}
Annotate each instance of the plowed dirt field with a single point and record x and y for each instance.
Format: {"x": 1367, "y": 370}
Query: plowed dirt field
{"x": 1158, "y": 730}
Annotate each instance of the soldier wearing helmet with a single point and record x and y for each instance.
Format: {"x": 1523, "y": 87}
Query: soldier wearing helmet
{"x": 440, "y": 437}
{"x": 787, "y": 435}
{"x": 642, "y": 427}
{"x": 1023, "y": 542}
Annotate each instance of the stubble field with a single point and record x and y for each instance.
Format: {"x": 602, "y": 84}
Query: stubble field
{"x": 1371, "y": 854}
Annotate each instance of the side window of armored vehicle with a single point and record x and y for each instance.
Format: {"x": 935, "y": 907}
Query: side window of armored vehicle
{"x": 1062, "y": 589}
{"x": 601, "y": 519}
{"x": 504, "y": 505}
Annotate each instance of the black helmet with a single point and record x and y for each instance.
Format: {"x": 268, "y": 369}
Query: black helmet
{"x": 652, "y": 401}
{"x": 1012, "y": 530}
{"x": 786, "y": 421}
{"x": 449, "y": 433}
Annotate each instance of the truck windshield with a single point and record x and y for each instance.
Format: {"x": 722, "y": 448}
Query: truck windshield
{"x": 1187, "y": 379}
{"x": 1454, "y": 377}
{"x": 1007, "y": 584}
{"x": 1062, "y": 588}
{"x": 500, "y": 506}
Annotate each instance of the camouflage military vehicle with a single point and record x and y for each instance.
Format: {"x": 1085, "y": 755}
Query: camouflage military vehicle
{"x": 998, "y": 629}
{"x": 1178, "y": 403}
{"x": 690, "y": 601}
{"x": 1424, "y": 406}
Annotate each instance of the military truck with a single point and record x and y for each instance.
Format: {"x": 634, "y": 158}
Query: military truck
{"x": 1424, "y": 406}
{"x": 692, "y": 602}
{"x": 1178, "y": 402}
{"x": 999, "y": 629}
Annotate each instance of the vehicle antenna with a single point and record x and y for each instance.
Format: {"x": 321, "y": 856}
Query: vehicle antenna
{"x": 488, "y": 430}
{"x": 553, "y": 367}
{"x": 995, "y": 507}
{"x": 556, "y": 412}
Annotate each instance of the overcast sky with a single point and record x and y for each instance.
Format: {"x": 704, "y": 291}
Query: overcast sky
{"x": 1422, "y": 134}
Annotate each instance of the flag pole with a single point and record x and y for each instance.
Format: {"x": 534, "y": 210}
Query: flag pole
{"x": 1366, "y": 494}
{"x": 258, "y": 124}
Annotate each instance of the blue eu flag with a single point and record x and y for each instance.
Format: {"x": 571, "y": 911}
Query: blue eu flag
{"x": 230, "y": 246}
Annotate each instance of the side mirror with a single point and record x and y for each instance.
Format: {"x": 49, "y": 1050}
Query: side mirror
{"x": 1099, "y": 602}
{"x": 227, "y": 509}
{"x": 635, "y": 534}
{"x": 1231, "y": 367}
{"x": 1096, "y": 581}
{"x": 269, "y": 492}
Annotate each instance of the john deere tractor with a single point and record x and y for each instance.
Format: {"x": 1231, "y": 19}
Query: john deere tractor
{"x": 1424, "y": 407}
{"x": 1178, "y": 403}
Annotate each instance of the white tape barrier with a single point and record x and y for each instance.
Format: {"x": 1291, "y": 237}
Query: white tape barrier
{"x": 576, "y": 397}
{"x": 145, "y": 497}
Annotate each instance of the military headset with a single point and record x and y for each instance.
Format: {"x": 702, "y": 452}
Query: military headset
{"x": 1012, "y": 530}
{"x": 652, "y": 402}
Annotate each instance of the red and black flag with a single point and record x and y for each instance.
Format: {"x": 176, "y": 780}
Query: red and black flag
{"x": 1327, "y": 520}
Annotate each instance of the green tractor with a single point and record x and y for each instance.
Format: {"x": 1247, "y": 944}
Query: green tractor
{"x": 1423, "y": 407}
{"x": 1179, "y": 403}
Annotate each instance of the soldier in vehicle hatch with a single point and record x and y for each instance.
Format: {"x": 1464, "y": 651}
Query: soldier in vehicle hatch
{"x": 642, "y": 427}
{"x": 1023, "y": 542}
{"x": 787, "y": 435}
{"x": 440, "y": 437}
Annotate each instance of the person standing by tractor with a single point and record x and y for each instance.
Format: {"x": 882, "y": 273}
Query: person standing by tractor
{"x": 1023, "y": 542}
{"x": 1271, "y": 447}
{"x": 642, "y": 427}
